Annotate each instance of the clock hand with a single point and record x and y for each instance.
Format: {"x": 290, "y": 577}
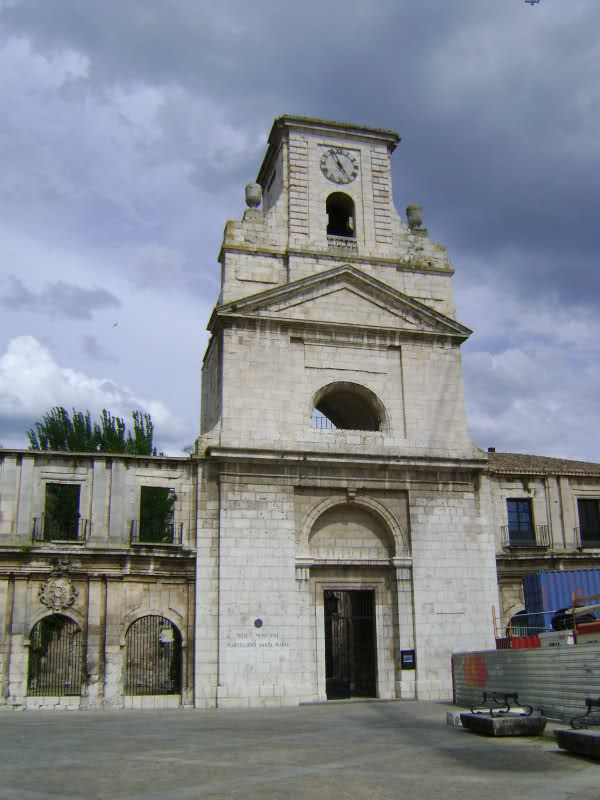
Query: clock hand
{"x": 340, "y": 165}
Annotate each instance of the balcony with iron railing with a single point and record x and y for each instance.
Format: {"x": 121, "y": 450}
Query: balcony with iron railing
{"x": 535, "y": 538}
{"x": 343, "y": 244}
{"x": 71, "y": 530}
{"x": 587, "y": 539}
{"x": 168, "y": 533}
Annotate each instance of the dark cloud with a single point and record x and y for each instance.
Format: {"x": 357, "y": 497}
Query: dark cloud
{"x": 496, "y": 103}
{"x": 57, "y": 299}
{"x": 139, "y": 152}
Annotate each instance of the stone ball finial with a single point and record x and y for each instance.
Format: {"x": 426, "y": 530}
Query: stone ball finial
{"x": 253, "y": 195}
{"x": 414, "y": 215}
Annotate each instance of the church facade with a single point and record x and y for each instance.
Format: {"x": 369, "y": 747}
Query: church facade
{"x": 336, "y": 532}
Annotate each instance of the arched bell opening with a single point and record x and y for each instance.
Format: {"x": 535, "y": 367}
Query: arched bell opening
{"x": 341, "y": 219}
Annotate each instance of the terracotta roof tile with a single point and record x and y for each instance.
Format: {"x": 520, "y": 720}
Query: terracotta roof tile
{"x": 513, "y": 463}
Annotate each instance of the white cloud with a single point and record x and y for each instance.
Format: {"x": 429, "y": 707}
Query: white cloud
{"x": 32, "y": 382}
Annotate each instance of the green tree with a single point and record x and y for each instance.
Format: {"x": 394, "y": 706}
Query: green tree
{"x": 58, "y": 430}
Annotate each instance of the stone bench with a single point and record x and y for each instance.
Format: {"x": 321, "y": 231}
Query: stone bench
{"x": 587, "y": 719}
{"x": 505, "y": 725}
{"x": 584, "y": 743}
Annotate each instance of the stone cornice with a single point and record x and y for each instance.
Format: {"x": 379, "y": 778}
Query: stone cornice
{"x": 316, "y": 457}
{"x": 323, "y": 126}
{"x": 402, "y": 265}
{"x": 307, "y": 324}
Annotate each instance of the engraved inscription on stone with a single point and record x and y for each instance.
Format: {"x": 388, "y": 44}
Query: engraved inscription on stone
{"x": 256, "y": 640}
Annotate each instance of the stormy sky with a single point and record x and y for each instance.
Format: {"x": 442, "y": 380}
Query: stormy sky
{"x": 129, "y": 130}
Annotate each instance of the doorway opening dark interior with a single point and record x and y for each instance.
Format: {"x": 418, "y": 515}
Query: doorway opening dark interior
{"x": 350, "y": 662}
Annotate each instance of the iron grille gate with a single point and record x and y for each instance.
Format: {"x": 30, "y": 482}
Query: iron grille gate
{"x": 153, "y": 664}
{"x": 55, "y": 657}
{"x": 349, "y": 644}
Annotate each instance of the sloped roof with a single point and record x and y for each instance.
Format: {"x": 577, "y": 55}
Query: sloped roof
{"x": 522, "y": 463}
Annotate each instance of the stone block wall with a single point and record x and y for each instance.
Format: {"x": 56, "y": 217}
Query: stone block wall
{"x": 256, "y": 593}
{"x": 270, "y": 402}
{"x": 103, "y": 609}
{"x": 109, "y": 498}
{"x": 454, "y": 574}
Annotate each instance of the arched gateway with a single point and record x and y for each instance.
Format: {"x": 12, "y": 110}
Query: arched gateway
{"x": 55, "y": 657}
{"x": 350, "y": 548}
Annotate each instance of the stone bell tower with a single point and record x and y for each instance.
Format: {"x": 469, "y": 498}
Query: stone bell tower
{"x": 342, "y": 544}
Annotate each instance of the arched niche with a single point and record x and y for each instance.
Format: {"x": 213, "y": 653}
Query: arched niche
{"x": 359, "y": 529}
{"x": 349, "y": 532}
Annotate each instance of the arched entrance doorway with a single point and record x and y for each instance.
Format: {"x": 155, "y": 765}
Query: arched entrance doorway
{"x": 55, "y": 658}
{"x": 153, "y": 657}
{"x": 351, "y": 550}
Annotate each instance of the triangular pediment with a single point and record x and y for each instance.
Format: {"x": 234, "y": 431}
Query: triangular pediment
{"x": 345, "y": 296}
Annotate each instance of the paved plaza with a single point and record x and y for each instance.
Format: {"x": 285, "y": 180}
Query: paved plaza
{"x": 330, "y": 752}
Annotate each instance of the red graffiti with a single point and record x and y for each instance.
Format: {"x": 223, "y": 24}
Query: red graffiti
{"x": 475, "y": 671}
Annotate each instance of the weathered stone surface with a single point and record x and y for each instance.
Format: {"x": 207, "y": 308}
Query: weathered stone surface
{"x": 503, "y": 726}
{"x": 585, "y": 743}
{"x": 276, "y": 511}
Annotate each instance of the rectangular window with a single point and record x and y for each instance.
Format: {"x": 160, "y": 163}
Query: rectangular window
{"x": 61, "y": 514}
{"x": 157, "y": 515}
{"x": 520, "y": 522}
{"x": 589, "y": 522}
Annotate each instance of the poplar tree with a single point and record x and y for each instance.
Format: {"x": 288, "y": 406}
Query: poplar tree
{"x": 59, "y": 430}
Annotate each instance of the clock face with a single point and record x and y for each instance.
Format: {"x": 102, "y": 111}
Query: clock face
{"x": 339, "y": 165}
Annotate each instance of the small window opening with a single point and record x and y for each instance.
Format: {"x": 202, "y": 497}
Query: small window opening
{"x": 157, "y": 515}
{"x": 340, "y": 215}
{"x": 61, "y": 514}
{"x": 347, "y": 406}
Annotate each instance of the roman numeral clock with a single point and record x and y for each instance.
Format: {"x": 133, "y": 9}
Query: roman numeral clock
{"x": 339, "y": 165}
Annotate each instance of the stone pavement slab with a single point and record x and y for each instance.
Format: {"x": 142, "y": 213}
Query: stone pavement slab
{"x": 323, "y": 752}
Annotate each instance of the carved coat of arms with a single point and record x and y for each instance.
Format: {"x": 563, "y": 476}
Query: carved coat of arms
{"x": 58, "y": 592}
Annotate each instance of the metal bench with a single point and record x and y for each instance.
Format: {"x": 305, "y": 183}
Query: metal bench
{"x": 498, "y": 704}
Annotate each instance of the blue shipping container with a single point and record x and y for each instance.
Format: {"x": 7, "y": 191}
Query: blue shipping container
{"x": 550, "y": 591}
